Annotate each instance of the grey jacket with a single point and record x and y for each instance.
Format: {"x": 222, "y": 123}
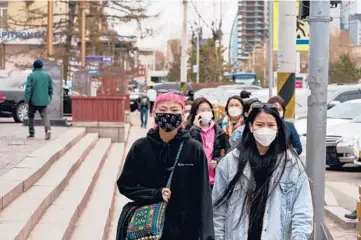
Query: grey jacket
{"x": 289, "y": 210}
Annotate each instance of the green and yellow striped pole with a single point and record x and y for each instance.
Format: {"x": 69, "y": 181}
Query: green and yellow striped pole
{"x": 286, "y": 84}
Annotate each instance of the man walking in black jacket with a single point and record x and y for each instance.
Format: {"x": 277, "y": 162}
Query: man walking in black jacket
{"x": 148, "y": 165}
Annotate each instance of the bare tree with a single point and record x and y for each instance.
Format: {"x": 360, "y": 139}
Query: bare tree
{"x": 102, "y": 38}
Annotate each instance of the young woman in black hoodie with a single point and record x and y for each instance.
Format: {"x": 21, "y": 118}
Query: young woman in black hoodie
{"x": 148, "y": 166}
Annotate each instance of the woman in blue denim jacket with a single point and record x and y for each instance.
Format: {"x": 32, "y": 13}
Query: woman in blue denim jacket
{"x": 261, "y": 190}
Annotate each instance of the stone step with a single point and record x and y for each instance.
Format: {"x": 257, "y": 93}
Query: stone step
{"x": 35, "y": 165}
{"x": 99, "y": 206}
{"x": 20, "y": 217}
{"x": 345, "y": 193}
{"x": 58, "y": 220}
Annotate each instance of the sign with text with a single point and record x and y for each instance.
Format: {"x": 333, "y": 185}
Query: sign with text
{"x": 55, "y": 109}
{"x": 105, "y": 59}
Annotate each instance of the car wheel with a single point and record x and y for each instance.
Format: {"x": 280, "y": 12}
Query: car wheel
{"x": 21, "y": 113}
{"x": 337, "y": 166}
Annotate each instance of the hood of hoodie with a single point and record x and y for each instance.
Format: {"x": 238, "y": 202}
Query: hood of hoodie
{"x": 169, "y": 149}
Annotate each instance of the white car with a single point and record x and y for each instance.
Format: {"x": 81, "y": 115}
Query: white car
{"x": 343, "y": 143}
{"x": 342, "y": 113}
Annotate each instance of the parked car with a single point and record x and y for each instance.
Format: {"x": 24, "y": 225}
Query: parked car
{"x": 342, "y": 143}
{"x": 133, "y": 97}
{"x": 342, "y": 113}
{"x": 337, "y": 94}
{"x": 239, "y": 87}
{"x": 175, "y": 86}
{"x": 12, "y": 100}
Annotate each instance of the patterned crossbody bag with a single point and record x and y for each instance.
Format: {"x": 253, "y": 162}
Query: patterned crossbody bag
{"x": 147, "y": 222}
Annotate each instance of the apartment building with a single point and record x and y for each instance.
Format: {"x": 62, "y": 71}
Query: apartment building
{"x": 251, "y": 27}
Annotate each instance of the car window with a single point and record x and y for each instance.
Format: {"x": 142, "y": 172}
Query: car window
{"x": 346, "y": 110}
{"x": 348, "y": 95}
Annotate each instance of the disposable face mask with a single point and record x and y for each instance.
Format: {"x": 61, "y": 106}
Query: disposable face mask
{"x": 281, "y": 114}
{"x": 265, "y": 136}
{"x": 235, "y": 112}
{"x": 206, "y": 117}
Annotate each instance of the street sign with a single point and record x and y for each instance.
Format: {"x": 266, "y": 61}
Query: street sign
{"x": 105, "y": 59}
{"x": 302, "y": 31}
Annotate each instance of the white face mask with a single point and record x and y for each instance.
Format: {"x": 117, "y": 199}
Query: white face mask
{"x": 281, "y": 114}
{"x": 206, "y": 117}
{"x": 265, "y": 136}
{"x": 235, "y": 111}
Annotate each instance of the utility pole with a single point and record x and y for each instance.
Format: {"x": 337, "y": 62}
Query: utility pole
{"x": 183, "y": 73}
{"x": 317, "y": 108}
{"x": 270, "y": 48}
{"x": 287, "y": 55}
{"x": 198, "y": 33}
{"x": 50, "y": 28}
{"x": 83, "y": 33}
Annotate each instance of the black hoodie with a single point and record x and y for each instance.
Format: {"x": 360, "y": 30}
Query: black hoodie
{"x": 189, "y": 214}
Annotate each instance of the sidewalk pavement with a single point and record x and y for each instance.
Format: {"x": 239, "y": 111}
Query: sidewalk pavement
{"x": 15, "y": 146}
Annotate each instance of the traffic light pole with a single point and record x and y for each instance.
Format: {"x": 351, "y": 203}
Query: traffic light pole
{"x": 317, "y": 109}
{"x": 287, "y": 55}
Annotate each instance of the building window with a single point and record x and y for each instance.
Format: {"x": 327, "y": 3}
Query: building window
{"x": 2, "y": 56}
{"x": 3, "y": 18}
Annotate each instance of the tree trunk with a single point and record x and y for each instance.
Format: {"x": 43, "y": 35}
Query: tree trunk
{"x": 67, "y": 48}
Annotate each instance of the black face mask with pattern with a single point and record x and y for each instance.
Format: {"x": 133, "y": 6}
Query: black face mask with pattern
{"x": 168, "y": 121}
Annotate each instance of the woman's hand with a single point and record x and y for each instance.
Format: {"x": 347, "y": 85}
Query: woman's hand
{"x": 213, "y": 164}
{"x": 197, "y": 120}
{"x": 166, "y": 194}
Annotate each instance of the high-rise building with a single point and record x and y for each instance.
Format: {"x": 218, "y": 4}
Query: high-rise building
{"x": 251, "y": 27}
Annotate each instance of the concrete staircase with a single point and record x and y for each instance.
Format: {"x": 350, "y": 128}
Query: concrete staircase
{"x": 63, "y": 190}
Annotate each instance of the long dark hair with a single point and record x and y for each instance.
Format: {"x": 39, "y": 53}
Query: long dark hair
{"x": 248, "y": 153}
{"x": 194, "y": 110}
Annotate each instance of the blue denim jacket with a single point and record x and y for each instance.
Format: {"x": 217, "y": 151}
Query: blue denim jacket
{"x": 289, "y": 210}
{"x": 237, "y": 134}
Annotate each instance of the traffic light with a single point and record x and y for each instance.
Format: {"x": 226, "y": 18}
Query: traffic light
{"x": 335, "y": 3}
{"x": 304, "y": 9}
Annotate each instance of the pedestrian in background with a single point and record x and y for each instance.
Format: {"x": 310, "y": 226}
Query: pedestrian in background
{"x": 234, "y": 115}
{"x": 152, "y": 95}
{"x": 245, "y": 94}
{"x": 148, "y": 166}
{"x": 261, "y": 189}
{"x": 187, "y": 110}
{"x": 292, "y": 134}
{"x": 38, "y": 95}
{"x": 206, "y": 131}
{"x": 143, "y": 107}
{"x": 237, "y": 134}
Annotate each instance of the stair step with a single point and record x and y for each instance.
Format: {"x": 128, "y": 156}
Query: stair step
{"x": 17, "y": 219}
{"x": 346, "y": 194}
{"x": 337, "y": 214}
{"x": 34, "y": 166}
{"x": 59, "y": 219}
{"x": 99, "y": 206}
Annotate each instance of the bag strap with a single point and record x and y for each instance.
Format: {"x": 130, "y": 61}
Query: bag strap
{"x": 175, "y": 164}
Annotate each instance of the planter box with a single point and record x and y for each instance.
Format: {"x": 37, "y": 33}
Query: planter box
{"x": 98, "y": 109}
{"x": 104, "y": 115}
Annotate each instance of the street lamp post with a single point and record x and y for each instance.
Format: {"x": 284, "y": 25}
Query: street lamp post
{"x": 50, "y": 28}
